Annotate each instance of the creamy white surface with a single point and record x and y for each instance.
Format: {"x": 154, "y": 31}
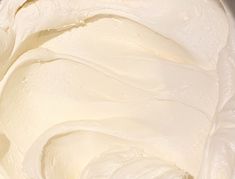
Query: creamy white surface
{"x": 113, "y": 89}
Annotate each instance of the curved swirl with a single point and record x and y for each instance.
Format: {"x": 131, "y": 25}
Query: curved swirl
{"x": 93, "y": 141}
{"x": 115, "y": 89}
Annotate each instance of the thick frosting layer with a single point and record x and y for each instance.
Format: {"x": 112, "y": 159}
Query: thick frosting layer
{"x": 114, "y": 89}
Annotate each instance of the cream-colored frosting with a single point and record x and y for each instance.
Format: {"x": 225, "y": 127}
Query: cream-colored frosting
{"x": 116, "y": 89}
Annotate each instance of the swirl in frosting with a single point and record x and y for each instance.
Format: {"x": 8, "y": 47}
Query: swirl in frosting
{"x": 117, "y": 89}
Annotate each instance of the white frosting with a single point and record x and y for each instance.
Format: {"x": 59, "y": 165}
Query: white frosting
{"x": 115, "y": 89}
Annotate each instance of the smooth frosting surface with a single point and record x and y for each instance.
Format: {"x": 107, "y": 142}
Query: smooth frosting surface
{"x": 115, "y": 89}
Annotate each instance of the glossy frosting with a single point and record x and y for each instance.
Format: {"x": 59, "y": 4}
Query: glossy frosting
{"x": 116, "y": 89}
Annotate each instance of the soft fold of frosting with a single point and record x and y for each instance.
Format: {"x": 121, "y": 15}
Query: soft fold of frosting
{"x": 115, "y": 89}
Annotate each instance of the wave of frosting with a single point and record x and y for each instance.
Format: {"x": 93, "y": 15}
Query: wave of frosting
{"x": 115, "y": 89}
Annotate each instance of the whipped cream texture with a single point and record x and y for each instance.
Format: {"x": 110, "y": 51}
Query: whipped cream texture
{"x": 117, "y": 89}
